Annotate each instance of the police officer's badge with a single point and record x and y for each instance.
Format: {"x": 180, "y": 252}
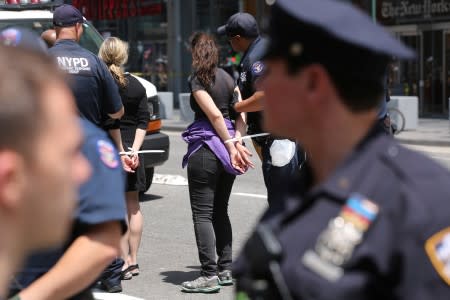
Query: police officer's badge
{"x": 243, "y": 77}
{"x": 107, "y": 153}
{"x": 335, "y": 245}
{"x": 257, "y": 68}
{"x": 10, "y": 37}
{"x": 438, "y": 250}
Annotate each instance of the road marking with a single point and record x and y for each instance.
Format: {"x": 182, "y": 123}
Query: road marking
{"x": 113, "y": 296}
{"x": 169, "y": 179}
{"x": 173, "y": 133}
{"x": 430, "y": 149}
{"x": 439, "y": 157}
{"x": 251, "y": 195}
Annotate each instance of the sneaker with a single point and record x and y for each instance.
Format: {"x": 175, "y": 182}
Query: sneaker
{"x": 109, "y": 288}
{"x": 114, "y": 289}
{"x": 202, "y": 284}
{"x": 225, "y": 278}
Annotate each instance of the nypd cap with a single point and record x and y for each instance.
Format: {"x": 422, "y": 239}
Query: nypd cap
{"x": 332, "y": 33}
{"x": 242, "y": 24}
{"x": 67, "y": 15}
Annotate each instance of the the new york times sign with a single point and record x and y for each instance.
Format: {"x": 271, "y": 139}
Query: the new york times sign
{"x": 412, "y": 11}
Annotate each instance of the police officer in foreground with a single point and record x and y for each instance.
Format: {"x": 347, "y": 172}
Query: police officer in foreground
{"x": 242, "y": 32}
{"x": 99, "y": 223}
{"x": 99, "y": 220}
{"x": 39, "y": 182}
{"x": 368, "y": 218}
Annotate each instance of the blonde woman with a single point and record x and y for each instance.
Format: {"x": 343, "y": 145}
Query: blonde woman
{"x": 114, "y": 52}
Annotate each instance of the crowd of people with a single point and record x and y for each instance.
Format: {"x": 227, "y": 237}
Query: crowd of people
{"x": 356, "y": 220}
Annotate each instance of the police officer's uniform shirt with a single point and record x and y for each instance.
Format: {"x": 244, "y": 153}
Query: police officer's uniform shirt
{"x": 102, "y": 196}
{"x": 94, "y": 89}
{"x": 101, "y": 200}
{"x": 250, "y": 69}
{"x": 378, "y": 228}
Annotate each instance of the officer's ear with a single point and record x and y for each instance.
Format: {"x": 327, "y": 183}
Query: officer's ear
{"x": 12, "y": 180}
{"x": 316, "y": 81}
{"x": 79, "y": 30}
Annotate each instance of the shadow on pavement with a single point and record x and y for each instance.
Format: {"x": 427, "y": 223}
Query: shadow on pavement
{"x": 178, "y": 277}
{"x": 148, "y": 197}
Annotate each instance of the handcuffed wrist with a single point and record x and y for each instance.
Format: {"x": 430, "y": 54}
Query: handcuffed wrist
{"x": 241, "y": 142}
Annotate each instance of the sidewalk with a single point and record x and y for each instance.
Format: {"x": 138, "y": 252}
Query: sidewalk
{"x": 175, "y": 123}
{"x": 430, "y": 132}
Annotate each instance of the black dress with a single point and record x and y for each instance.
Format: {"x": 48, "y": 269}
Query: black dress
{"x": 136, "y": 115}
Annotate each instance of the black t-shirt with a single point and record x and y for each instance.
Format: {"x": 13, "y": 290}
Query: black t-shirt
{"x": 93, "y": 87}
{"x": 221, "y": 91}
{"x": 134, "y": 101}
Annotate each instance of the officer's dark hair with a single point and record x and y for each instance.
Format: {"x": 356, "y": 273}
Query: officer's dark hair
{"x": 25, "y": 75}
{"x": 205, "y": 57}
{"x": 357, "y": 93}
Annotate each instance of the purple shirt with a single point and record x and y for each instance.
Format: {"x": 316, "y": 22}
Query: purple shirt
{"x": 202, "y": 132}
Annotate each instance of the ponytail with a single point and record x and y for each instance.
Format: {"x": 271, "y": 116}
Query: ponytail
{"x": 114, "y": 52}
{"x": 118, "y": 75}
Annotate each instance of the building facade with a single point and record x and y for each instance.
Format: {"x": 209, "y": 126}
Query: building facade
{"x": 423, "y": 25}
{"x": 158, "y": 32}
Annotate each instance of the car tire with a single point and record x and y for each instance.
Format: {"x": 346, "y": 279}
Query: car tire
{"x": 149, "y": 177}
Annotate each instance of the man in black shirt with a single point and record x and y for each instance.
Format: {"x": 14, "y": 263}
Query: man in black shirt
{"x": 93, "y": 86}
{"x": 96, "y": 93}
{"x": 243, "y": 34}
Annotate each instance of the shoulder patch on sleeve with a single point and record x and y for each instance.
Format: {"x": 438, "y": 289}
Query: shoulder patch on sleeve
{"x": 438, "y": 250}
{"x": 257, "y": 68}
{"x": 107, "y": 154}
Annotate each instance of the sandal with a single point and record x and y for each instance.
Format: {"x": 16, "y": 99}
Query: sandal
{"x": 126, "y": 274}
{"x": 134, "y": 269}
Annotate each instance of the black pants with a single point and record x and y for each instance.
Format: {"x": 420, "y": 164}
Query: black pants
{"x": 277, "y": 178}
{"x": 209, "y": 191}
{"x": 111, "y": 275}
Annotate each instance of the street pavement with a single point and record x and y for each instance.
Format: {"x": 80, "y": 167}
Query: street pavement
{"x": 168, "y": 254}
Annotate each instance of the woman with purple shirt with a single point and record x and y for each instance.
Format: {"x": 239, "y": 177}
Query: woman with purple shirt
{"x": 212, "y": 164}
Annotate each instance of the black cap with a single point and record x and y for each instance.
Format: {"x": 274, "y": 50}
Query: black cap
{"x": 22, "y": 37}
{"x": 332, "y": 33}
{"x": 67, "y": 15}
{"x": 242, "y": 24}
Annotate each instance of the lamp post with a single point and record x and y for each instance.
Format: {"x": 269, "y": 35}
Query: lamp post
{"x": 374, "y": 10}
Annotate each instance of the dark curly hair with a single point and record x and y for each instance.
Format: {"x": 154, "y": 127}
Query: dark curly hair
{"x": 205, "y": 57}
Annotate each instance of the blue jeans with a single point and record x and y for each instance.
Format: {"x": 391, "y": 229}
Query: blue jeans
{"x": 209, "y": 192}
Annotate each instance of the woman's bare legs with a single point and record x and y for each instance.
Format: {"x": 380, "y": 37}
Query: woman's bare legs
{"x": 136, "y": 224}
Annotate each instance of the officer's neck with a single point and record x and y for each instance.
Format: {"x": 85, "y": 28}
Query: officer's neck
{"x": 67, "y": 35}
{"x": 334, "y": 140}
{"x": 10, "y": 259}
{"x": 246, "y": 44}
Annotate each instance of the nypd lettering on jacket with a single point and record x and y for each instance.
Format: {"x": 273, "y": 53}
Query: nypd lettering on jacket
{"x": 74, "y": 65}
